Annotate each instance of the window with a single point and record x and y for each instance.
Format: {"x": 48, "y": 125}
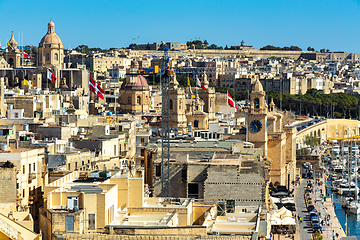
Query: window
{"x": 91, "y": 221}
{"x": 142, "y": 152}
{"x": 193, "y": 190}
{"x": 56, "y": 56}
{"x": 34, "y": 167}
{"x": 171, "y": 104}
{"x": 257, "y": 103}
{"x": 23, "y": 169}
{"x": 16, "y": 115}
{"x": 196, "y": 123}
{"x": 47, "y": 57}
{"x": 138, "y": 100}
{"x": 69, "y": 223}
{"x": 129, "y": 100}
{"x": 142, "y": 140}
{"x": 29, "y": 167}
{"x": 158, "y": 171}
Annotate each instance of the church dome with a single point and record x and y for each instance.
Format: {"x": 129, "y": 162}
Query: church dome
{"x": 136, "y": 81}
{"x": 51, "y": 37}
{"x": 257, "y": 87}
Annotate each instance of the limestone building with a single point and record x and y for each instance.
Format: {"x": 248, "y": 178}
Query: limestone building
{"x": 196, "y": 111}
{"x": 51, "y": 51}
{"x": 13, "y": 54}
{"x": 265, "y": 130}
{"x": 134, "y": 94}
{"x": 177, "y": 105}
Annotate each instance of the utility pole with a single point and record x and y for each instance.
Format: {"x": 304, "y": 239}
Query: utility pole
{"x": 165, "y": 128}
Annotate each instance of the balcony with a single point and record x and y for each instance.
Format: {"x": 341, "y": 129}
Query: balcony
{"x": 32, "y": 176}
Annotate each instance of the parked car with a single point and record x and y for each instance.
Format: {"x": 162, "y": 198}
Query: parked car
{"x": 311, "y": 208}
{"x": 314, "y": 220}
{"x": 316, "y": 227}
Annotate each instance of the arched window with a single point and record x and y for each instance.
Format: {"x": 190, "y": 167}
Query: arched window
{"x": 138, "y": 100}
{"x": 47, "y": 57}
{"x": 171, "y": 104}
{"x": 257, "y": 103}
{"x": 129, "y": 100}
{"x": 56, "y": 56}
{"x": 196, "y": 123}
{"x": 179, "y": 104}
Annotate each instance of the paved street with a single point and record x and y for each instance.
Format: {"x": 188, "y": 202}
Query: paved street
{"x": 304, "y": 227}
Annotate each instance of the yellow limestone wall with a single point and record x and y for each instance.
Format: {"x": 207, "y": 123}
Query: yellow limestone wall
{"x": 130, "y": 191}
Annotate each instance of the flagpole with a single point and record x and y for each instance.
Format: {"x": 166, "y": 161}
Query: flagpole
{"x": 22, "y": 50}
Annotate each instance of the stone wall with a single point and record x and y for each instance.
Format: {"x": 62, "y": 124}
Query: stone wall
{"x": 246, "y": 186}
{"x": 7, "y": 185}
{"x": 74, "y": 236}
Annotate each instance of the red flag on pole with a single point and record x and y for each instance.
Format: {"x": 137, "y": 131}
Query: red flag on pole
{"x": 27, "y": 55}
{"x": 51, "y": 76}
{"x": 199, "y": 84}
{"x": 95, "y": 88}
{"x": 231, "y": 102}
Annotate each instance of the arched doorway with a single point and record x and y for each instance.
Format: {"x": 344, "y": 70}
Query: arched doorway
{"x": 11, "y": 62}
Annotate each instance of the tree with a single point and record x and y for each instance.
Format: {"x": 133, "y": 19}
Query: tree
{"x": 295, "y": 48}
{"x": 148, "y": 47}
{"x": 133, "y": 46}
{"x": 322, "y": 50}
{"x": 205, "y": 44}
{"x": 310, "y": 49}
{"x": 312, "y": 141}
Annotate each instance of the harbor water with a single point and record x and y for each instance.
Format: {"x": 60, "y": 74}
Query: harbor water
{"x": 353, "y": 221}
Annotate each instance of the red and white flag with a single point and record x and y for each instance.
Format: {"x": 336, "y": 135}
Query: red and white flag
{"x": 199, "y": 84}
{"x": 27, "y": 55}
{"x": 51, "y": 76}
{"x": 95, "y": 88}
{"x": 231, "y": 101}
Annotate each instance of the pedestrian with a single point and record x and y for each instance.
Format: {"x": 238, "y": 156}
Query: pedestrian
{"x": 300, "y": 219}
{"x": 337, "y": 235}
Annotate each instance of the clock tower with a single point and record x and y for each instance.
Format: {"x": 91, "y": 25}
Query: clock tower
{"x": 257, "y": 117}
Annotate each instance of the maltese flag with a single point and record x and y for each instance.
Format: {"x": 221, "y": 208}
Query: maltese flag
{"x": 26, "y": 55}
{"x": 199, "y": 84}
{"x": 95, "y": 88}
{"x": 231, "y": 101}
{"x": 51, "y": 76}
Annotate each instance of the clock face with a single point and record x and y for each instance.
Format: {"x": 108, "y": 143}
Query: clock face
{"x": 256, "y": 126}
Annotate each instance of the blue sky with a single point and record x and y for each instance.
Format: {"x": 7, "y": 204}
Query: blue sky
{"x": 320, "y": 24}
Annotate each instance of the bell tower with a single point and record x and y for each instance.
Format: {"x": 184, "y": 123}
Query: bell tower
{"x": 12, "y": 53}
{"x": 177, "y": 105}
{"x": 257, "y": 117}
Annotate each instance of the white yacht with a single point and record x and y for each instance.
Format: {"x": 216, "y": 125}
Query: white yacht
{"x": 344, "y": 189}
{"x": 353, "y": 207}
{"x": 335, "y": 150}
{"x": 355, "y": 150}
